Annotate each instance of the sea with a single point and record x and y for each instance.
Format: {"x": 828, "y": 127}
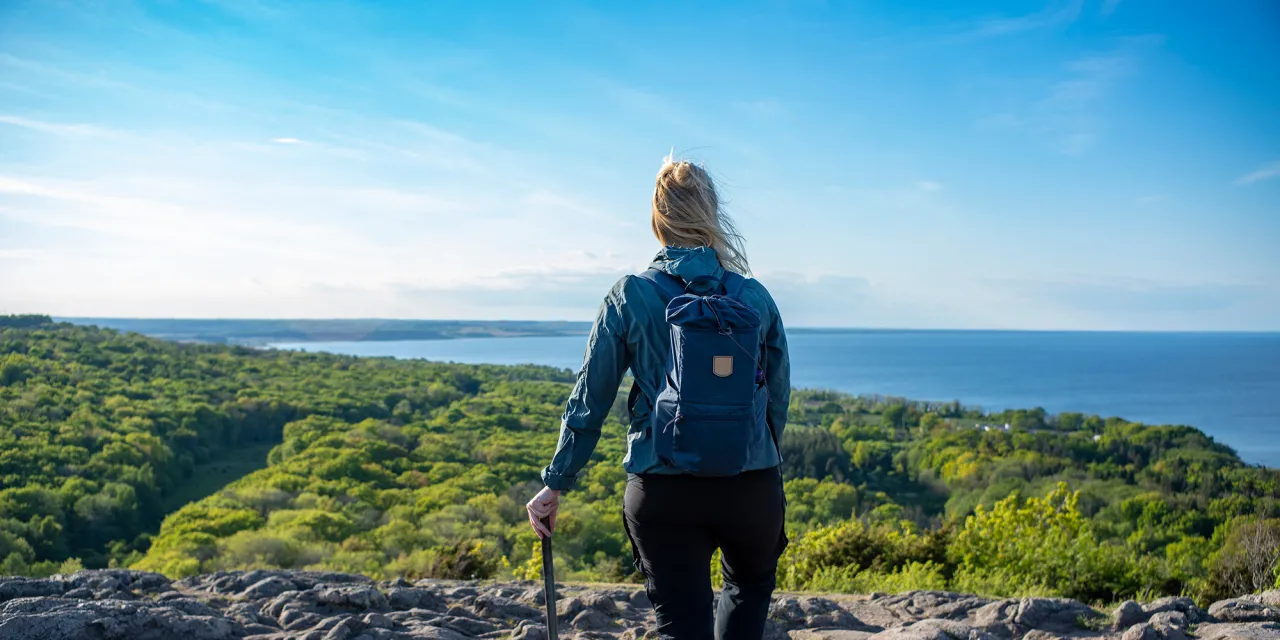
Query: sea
{"x": 1226, "y": 384}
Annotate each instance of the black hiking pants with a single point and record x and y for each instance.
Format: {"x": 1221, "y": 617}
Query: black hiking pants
{"x": 676, "y": 522}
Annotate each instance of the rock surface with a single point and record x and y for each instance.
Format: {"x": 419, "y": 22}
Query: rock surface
{"x": 118, "y": 604}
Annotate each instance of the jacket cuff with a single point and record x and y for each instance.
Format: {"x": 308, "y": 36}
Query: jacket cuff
{"x": 558, "y": 482}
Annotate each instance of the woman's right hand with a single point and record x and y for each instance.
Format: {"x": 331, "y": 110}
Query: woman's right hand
{"x": 543, "y": 505}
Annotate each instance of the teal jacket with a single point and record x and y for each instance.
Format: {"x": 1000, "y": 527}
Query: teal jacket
{"x": 631, "y": 332}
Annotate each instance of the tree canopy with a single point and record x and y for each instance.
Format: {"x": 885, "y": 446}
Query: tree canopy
{"x": 115, "y": 449}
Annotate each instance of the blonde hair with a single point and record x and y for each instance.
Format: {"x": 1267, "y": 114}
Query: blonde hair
{"x": 687, "y": 213}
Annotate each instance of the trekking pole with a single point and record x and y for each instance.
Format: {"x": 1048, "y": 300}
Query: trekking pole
{"x": 549, "y": 582}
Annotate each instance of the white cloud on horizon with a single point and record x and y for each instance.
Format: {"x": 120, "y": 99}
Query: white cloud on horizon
{"x": 1118, "y": 294}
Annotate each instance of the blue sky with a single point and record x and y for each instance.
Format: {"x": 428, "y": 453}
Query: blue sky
{"x": 1095, "y": 164}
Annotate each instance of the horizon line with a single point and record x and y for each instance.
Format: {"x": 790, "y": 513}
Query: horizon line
{"x": 802, "y": 328}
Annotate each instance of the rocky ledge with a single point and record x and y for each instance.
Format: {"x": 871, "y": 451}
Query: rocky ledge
{"x": 296, "y": 605}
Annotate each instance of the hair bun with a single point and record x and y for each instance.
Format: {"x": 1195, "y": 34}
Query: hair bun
{"x": 682, "y": 173}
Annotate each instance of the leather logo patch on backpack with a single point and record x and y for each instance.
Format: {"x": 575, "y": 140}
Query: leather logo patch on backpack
{"x": 722, "y": 366}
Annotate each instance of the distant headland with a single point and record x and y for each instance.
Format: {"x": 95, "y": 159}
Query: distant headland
{"x": 259, "y": 332}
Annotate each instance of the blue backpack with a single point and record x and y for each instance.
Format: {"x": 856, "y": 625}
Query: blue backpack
{"x": 711, "y": 411}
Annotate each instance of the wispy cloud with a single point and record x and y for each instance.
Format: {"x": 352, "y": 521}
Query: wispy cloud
{"x": 249, "y": 9}
{"x": 59, "y": 128}
{"x": 971, "y": 30}
{"x": 928, "y": 185}
{"x": 457, "y": 151}
{"x": 1056, "y": 14}
{"x": 1263, "y": 173}
{"x": 552, "y": 200}
{"x": 643, "y": 101}
{"x": 1070, "y": 115}
{"x": 842, "y": 300}
{"x": 22, "y": 88}
{"x": 286, "y": 140}
{"x": 47, "y": 71}
{"x": 1129, "y": 294}
{"x": 553, "y": 292}
{"x": 104, "y": 212}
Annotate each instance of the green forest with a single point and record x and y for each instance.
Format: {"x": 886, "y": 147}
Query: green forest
{"x": 122, "y": 450}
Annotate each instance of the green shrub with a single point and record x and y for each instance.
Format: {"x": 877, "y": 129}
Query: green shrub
{"x": 910, "y": 577}
{"x": 846, "y": 550}
{"x": 1248, "y": 560}
{"x": 1044, "y": 547}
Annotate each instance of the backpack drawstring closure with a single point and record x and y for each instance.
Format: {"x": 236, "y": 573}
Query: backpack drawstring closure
{"x": 728, "y": 333}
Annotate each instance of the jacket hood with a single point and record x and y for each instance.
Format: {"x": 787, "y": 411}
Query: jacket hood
{"x": 688, "y": 262}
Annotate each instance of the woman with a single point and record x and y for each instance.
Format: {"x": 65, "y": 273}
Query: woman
{"x": 676, "y": 519}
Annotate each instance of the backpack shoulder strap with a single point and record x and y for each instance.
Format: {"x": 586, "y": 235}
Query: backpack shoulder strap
{"x": 733, "y": 283}
{"x": 668, "y": 285}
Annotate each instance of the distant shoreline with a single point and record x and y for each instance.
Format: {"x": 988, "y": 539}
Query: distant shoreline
{"x": 261, "y": 332}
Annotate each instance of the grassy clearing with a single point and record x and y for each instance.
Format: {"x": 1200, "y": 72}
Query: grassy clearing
{"x": 209, "y": 477}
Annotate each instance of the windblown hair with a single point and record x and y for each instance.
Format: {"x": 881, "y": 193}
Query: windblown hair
{"x": 686, "y": 213}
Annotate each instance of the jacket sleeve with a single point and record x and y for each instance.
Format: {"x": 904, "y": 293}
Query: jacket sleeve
{"x": 603, "y": 366}
{"x": 777, "y": 372}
